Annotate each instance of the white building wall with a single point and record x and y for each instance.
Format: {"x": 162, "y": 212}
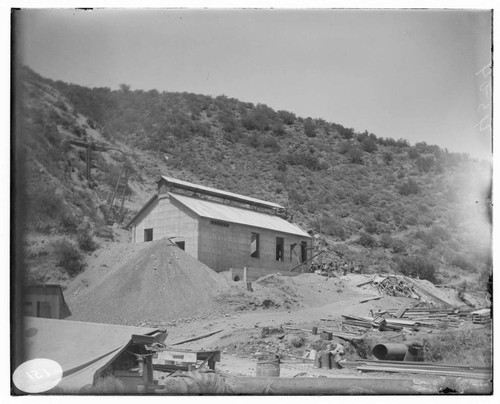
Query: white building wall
{"x": 167, "y": 220}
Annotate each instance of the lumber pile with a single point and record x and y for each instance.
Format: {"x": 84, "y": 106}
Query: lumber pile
{"x": 404, "y": 286}
{"x": 481, "y": 316}
{"x": 434, "y": 317}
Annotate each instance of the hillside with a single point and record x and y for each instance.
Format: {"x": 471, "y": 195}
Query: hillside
{"x": 382, "y": 203}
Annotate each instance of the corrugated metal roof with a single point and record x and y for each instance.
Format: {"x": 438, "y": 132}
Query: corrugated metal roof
{"x": 233, "y": 214}
{"x": 221, "y": 194}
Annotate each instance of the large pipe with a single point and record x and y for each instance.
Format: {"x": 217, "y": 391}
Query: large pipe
{"x": 390, "y": 352}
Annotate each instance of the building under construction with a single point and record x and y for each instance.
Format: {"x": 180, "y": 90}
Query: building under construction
{"x": 221, "y": 229}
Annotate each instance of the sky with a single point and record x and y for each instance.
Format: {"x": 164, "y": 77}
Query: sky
{"x": 420, "y": 75}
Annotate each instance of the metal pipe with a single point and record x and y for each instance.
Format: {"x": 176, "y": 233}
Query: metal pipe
{"x": 394, "y": 352}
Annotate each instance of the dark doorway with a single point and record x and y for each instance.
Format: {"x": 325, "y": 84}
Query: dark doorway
{"x": 280, "y": 242}
{"x": 303, "y": 251}
{"x": 181, "y": 245}
{"x": 148, "y": 234}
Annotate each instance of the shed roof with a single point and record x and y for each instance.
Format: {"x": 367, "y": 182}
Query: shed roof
{"x": 218, "y": 193}
{"x": 233, "y": 214}
{"x": 80, "y": 348}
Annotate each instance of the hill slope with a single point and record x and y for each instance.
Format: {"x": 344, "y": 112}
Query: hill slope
{"x": 382, "y": 203}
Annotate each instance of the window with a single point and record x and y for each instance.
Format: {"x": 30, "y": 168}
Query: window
{"x": 181, "y": 244}
{"x": 303, "y": 251}
{"x": 254, "y": 245}
{"x": 148, "y": 234}
{"x": 280, "y": 242}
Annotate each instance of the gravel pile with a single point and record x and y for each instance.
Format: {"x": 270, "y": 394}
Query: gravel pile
{"x": 156, "y": 284}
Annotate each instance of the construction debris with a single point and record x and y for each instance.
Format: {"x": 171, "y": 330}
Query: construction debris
{"x": 482, "y": 316}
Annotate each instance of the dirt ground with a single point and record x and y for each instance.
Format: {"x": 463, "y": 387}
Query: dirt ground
{"x": 156, "y": 284}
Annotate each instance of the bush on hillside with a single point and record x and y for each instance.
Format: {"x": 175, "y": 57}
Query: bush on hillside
{"x": 309, "y": 127}
{"x": 413, "y": 153}
{"x": 86, "y": 241}
{"x": 369, "y": 145}
{"x": 287, "y": 117}
{"x": 68, "y": 257}
{"x": 410, "y": 187}
{"x": 366, "y": 240}
{"x": 425, "y": 164}
{"x": 418, "y": 267}
{"x": 355, "y": 155}
{"x": 344, "y": 147}
{"x": 387, "y": 157}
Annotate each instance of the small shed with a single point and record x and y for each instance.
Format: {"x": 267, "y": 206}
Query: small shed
{"x": 221, "y": 229}
{"x": 45, "y": 301}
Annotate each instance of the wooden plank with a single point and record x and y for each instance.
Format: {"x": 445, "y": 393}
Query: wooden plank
{"x": 371, "y": 298}
{"x": 197, "y": 338}
{"x": 444, "y": 372}
{"x": 402, "y": 310}
{"x": 177, "y": 356}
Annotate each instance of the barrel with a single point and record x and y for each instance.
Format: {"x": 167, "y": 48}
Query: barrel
{"x": 415, "y": 353}
{"x": 325, "y": 360}
{"x": 390, "y": 352}
{"x": 269, "y": 368}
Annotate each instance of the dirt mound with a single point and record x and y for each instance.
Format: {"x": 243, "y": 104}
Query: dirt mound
{"x": 156, "y": 283}
{"x": 282, "y": 292}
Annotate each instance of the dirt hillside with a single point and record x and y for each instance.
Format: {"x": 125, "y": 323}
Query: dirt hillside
{"x": 152, "y": 282}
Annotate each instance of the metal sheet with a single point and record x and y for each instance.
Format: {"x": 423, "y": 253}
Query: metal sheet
{"x": 80, "y": 348}
{"x": 232, "y": 214}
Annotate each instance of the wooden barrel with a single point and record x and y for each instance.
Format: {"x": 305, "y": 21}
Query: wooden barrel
{"x": 415, "y": 353}
{"x": 269, "y": 368}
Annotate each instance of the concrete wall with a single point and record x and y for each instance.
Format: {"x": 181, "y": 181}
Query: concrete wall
{"x": 169, "y": 220}
{"x": 223, "y": 247}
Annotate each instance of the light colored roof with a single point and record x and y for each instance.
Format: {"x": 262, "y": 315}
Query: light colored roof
{"x": 233, "y": 214}
{"x": 220, "y": 194}
{"x": 80, "y": 348}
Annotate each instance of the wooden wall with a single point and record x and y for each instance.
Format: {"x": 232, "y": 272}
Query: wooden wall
{"x": 48, "y": 300}
{"x": 168, "y": 220}
{"x": 222, "y": 247}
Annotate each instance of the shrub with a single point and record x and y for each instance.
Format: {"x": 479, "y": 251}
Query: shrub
{"x": 361, "y": 198}
{"x": 386, "y": 240}
{"x": 309, "y": 127}
{"x": 425, "y": 163}
{"x": 287, "y": 117}
{"x": 371, "y": 227}
{"x": 418, "y": 267}
{"x": 463, "y": 262}
{"x": 344, "y": 147}
{"x": 410, "y": 187}
{"x": 85, "y": 241}
{"x": 355, "y": 155}
{"x": 68, "y": 257}
{"x": 413, "y": 153}
{"x": 369, "y": 145}
{"x": 467, "y": 347}
{"x": 366, "y": 240}
{"x": 387, "y": 157}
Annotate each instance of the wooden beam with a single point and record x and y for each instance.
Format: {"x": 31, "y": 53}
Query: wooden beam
{"x": 197, "y": 338}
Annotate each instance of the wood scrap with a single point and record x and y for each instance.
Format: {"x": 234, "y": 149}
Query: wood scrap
{"x": 370, "y": 299}
{"x": 197, "y": 338}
